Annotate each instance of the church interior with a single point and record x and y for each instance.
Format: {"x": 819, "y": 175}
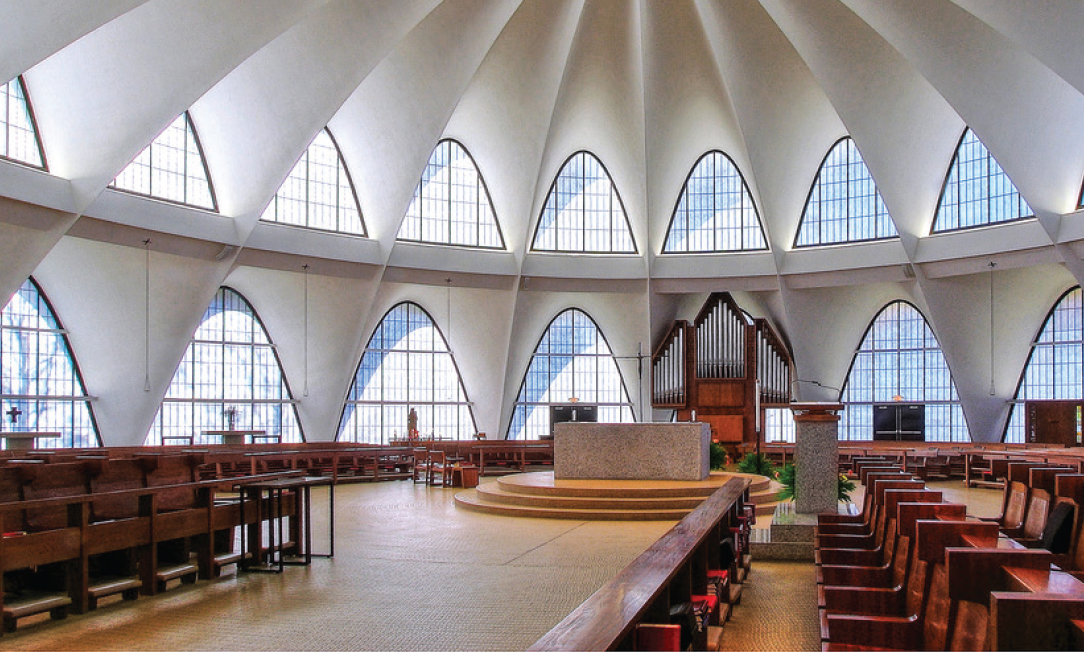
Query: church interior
{"x": 324, "y": 288}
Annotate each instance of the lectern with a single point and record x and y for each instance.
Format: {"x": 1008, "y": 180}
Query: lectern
{"x": 816, "y": 454}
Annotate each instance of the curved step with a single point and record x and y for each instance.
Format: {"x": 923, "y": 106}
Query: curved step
{"x": 496, "y": 492}
{"x": 543, "y": 483}
{"x": 539, "y": 495}
{"x": 470, "y": 500}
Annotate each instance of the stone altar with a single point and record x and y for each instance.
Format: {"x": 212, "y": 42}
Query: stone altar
{"x": 631, "y": 451}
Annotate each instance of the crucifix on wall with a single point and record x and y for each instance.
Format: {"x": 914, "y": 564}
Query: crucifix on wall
{"x": 13, "y": 414}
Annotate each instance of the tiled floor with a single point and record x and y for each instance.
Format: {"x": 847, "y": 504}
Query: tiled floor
{"x": 411, "y": 572}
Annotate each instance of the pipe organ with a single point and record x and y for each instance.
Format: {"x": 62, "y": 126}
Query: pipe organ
{"x": 709, "y": 369}
{"x": 668, "y": 368}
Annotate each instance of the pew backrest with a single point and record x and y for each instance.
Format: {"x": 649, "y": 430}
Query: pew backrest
{"x": 61, "y": 480}
{"x": 117, "y": 475}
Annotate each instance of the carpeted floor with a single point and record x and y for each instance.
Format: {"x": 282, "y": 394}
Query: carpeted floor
{"x": 778, "y": 609}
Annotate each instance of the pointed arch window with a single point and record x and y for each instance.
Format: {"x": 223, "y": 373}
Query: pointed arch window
{"x": 407, "y": 364}
{"x": 19, "y": 141}
{"x": 171, "y": 168}
{"x": 230, "y": 373}
{"x": 571, "y": 362}
{"x": 715, "y": 211}
{"x": 977, "y": 191}
{"x": 1055, "y": 367}
{"x": 844, "y": 204}
{"x": 451, "y": 204}
{"x": 583, "y": 212}
{"x": 318, "y": 193}
{"x": 41, "y": 385}
{"x": 900, "y": 357}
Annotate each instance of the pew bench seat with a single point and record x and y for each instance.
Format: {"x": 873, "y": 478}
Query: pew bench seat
{"x": 32, "y": 603}
{"x": 186, "y": 572}
{"x": 128, "y": 587}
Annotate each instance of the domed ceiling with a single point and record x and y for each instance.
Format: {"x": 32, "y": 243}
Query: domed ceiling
{"x": 647, "y": 86}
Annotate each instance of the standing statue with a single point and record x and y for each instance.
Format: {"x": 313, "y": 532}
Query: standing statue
{"x": 412, "y": 424}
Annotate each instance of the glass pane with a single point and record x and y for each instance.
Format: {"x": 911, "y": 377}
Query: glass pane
{"x": 900, "y": 359}
{"x": 170, "y": 168}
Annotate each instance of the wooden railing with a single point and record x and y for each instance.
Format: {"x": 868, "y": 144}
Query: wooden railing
{"x": 671, "y": 571}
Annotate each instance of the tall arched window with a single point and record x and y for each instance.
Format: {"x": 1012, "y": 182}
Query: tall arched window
{"x": 172, "y": 168}
{"x": 318, "y": 193}
{"x": 229, "y": 376}
{"x": 900, "y": 359}
{"x": 844, "y": 204}
{"x": 977, "y": 191}
{"x": 19, "y": 140}
{"x": 41, "y": 390}
{"x": 407, "y": 364}
{"x": 583, "y": 212}
{"x": 1055, "y": 368}
{"x": 715, "y": 211}
{"x": 451, "y": 204}
{"x": 572, "y": 361}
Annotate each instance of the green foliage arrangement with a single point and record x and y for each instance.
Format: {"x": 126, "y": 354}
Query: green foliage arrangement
{"x": 844, "y": 487}
{"x": 757, "y": 464}
{"x": 716, "y": 456}
{"x": 786, "y": 478}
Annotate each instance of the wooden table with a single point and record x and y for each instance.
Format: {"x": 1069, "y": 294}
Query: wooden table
{"x": 236, "y": 437}
{"x": 24, "y": 441}
{"x": 274, "y": 491}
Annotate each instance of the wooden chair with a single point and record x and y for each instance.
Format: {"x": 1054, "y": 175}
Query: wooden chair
{"x": 38, "y": 565}
{"x": 421, "y": 465}
{"x": 178, "y": 515}
{"x": 1035, "y": 520}
{"x": 438, "y": 471}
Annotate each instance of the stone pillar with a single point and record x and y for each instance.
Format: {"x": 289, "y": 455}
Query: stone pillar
{"x": 816, "y": 455}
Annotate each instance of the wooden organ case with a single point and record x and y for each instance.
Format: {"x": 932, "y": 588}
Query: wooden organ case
{"x": 710, "y": 368}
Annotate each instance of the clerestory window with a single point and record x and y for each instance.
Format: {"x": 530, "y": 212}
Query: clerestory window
{"x": 715, "y": 211}
{"x": 844, "y": 204}
{"x": 318, "y": 193}
{"x": 171, "y": 168}
{"x": 451, "y": 204}
{"x": 583, "y": 212}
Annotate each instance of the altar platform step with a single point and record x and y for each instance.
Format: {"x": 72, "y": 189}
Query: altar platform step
{"x": 539, "y": 495}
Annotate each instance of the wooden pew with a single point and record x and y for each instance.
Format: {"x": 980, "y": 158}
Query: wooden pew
{"x": 670, "y": 572}
{"x": 872, "y": 543}
{"x": 903, "y": 592}
{"x": 116, "y": 532}
{"x": 956, "y": 596}
{"x": 21, "y": 551}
